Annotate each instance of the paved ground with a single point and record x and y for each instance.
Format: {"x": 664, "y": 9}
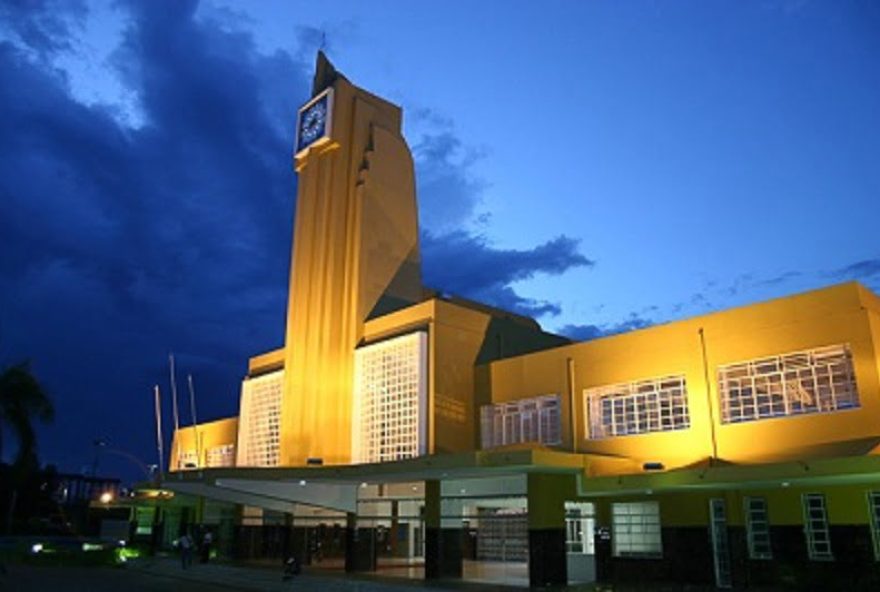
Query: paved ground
{"x": 166, "y": 574}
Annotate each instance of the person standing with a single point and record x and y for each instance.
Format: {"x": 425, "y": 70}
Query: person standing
{"x": 186, "y": 548}
{"x": 207, "y": 541}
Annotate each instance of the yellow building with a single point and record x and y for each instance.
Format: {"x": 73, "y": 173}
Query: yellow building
{"x": 400, "y": 429}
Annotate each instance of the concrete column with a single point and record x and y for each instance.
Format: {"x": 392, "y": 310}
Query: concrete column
{"x": 360, "y": 545}
{"x": 547, "y": 494}
{"x": 443, "y": 541}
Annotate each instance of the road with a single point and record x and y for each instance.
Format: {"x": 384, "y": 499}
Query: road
{"x": 22, "y": 578}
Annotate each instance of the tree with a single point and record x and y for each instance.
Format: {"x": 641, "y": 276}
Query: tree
{"x": 22, "y": 400}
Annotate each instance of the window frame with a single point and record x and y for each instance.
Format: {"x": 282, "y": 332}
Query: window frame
{"x": 748, "y": 515}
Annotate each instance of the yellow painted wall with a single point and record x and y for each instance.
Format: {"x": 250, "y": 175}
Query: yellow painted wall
{"x": 211, "y": 434}
{"x": 355, "y": 242}
{"x": 834, "y": 315}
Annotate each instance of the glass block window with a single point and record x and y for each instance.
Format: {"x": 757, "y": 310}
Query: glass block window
{"x": 260, "y": 420}
{"x": 816, "y": 527}
{"x": 636, "y": 529}
{"x": 580, "y": 525}
{"x": 874, "y": 509}
{"x": 757, "y": 528}
{"x": 640, "y": 407}
{"x": 527, "y": 420}
{"x": 812, "y": 381}
{"x": 187, "y": 459}
{"x": 221, "y": 456}
{"x": 390, "y": 399}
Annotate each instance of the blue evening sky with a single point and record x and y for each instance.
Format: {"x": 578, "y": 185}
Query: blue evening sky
{"x": 602, "y": 166}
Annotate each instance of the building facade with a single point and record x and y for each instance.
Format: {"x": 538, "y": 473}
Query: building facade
{"x": 403, "y": 430}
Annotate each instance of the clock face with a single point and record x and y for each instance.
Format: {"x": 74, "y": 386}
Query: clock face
{"x": 314, "y": 122}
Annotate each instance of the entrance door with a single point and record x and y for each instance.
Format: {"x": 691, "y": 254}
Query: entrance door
{"x": 720, "y": 543}
{"x": 580, "y": 526}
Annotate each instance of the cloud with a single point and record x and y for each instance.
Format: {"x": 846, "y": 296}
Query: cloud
{"x": 120, "y": 243}
{"x": 41, "y": 26}
{"x": 588, "y": 332}
{"x": 867, "y": 269}
{"x": 448, "y": 191}
{"x": 468, "y": 265}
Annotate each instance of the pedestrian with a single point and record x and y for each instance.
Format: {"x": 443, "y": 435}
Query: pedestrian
{"x": 186, "y": 546}
{"x": 207, "y": 540}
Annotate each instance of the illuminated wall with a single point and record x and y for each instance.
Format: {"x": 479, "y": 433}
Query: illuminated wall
{"x": 391, "y": 399}
{"x": 259, "y": 434}
{"x": 355, "y": 253}
{"x": 836, "y": 325}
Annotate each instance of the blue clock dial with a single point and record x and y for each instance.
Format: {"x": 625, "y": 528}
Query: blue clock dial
{"x": 313, "y": 123}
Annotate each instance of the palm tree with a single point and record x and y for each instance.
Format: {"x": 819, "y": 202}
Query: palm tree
{"x": 22, "y": 399}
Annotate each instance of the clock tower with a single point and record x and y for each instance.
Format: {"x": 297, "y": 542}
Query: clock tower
{"x": 355, "y": 256}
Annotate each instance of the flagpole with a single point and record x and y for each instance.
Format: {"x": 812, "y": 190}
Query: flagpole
{"x": 159, "y": 431}
{"x": 192, "y": 409}
{"x": 174, "y": 394}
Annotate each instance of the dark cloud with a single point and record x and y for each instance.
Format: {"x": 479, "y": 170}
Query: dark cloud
{"x": 867, "y": 269}
{"x": 587, "y": 332}
{"x": 449, "y": 193}
{"x": 121, "y": 244}
{"x": 468, "y": 265}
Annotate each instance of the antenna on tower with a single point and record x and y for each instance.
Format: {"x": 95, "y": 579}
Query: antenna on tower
{"x": 174, "y": 393}
{"x": 323, "y": 41}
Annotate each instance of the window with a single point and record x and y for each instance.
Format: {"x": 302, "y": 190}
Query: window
{"x": 221, "y": 456}
{"x": 816, "y": 527}
{"x": 757, "y": 528}
{"x": 527, "y": 420}
{"x": 653, "y": 405}
{"x": 580, "y": 525}
{"x": 874, "y": 509}
{"x": 260, "y": 421}
{"x": 636, "y": 529}
{"x": 390, "y": 399}
{"x": 813, "y": 381}
{"x": 187, "y": 459}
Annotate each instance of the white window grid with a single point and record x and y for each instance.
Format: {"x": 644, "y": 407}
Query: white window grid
{"x": 260, "y": 422}
{"x": 874, "y": 509}
{"x": 636, "y": 529}
{"x": 536, "y": 419}
{"x": 580, "y": 526}
{"x": 757, "y": 528}
{"x": 819, "y": 380}
{"x": 187, "y": 460}
{"x": 390, "y": 399}
{"x": 639, "y": 407}
{"x": 221, "y": 456}
{"x": 816, "y": 527}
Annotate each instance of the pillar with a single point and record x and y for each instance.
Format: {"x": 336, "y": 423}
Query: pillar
{"x": 443, "y": 538}
{"x": 547, "y": 494}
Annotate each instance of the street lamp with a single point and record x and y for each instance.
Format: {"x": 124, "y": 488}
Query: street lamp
{"x": 106, "y": 497}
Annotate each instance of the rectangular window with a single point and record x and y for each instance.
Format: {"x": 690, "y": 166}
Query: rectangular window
{"x": 874, "y": 509}
{"x": 636, "y": 529}
{"x": 527, "y": 420}
{"x": 580, "y": 525}
{"x": 259, "y": 434}
{"x": 187, "y": 459}
{"x": 390, "y": 399}
{"x": 639, "y": 407}
{"x": 757, "y": 528}
{"x": 819, "y": 380}
{"x": 816, "y": 527}
{"x": 221, "y": 456}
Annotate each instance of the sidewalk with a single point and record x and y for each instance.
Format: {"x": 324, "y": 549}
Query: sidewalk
{"x": 239, "y": 577}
